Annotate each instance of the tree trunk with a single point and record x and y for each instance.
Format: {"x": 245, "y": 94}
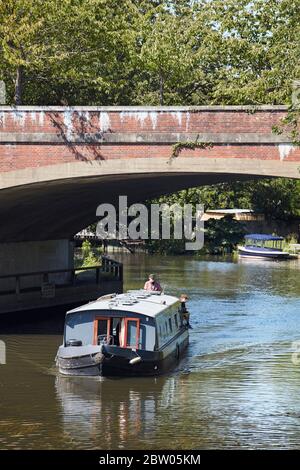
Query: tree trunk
{"x": 161, "y": 90}
{"x": 19, "y": 85}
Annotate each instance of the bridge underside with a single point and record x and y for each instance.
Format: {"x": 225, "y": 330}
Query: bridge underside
{"x": 40, "y": 218}
{"x": 57, "y": 202}
{"x": 59, "y": 209}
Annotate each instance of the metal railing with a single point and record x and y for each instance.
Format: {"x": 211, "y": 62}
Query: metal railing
{"x": 61, "y": 278}
{"x": 113, "y": 267}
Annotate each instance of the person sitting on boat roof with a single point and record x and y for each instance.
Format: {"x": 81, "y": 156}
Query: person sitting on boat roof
{"x": 152, "y": 284}
{"x": 184, "y": 313}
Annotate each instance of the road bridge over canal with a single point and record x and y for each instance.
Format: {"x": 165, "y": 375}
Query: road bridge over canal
{"x": 57, "y": 164}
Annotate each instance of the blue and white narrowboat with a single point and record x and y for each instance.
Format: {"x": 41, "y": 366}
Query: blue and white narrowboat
{"x": 135, "y": 333}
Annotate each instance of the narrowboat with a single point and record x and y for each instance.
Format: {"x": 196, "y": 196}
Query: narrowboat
{"x": 135, "y": 333}
{"x": 258, "y": 246}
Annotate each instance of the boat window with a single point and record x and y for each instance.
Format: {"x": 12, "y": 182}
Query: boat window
{"x": 142, "y": 337}
{"x": 102, "y": 330}
{"x": 176, "y": 320}
{"x": 160, "y": 331}
{"x": 170, "y": 325}
{"x": 166, "y": 327}
{"x": 132, "y": 327}
{"x": 102, "y": 327}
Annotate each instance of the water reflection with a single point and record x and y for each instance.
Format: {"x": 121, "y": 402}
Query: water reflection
{"x": 110, "y": 413}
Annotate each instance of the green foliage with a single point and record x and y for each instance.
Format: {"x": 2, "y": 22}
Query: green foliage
{"x": 89, "y": 256}
{"x": 179, "y": 146}
{"x": 149, "y": 52}
{"x": 166, "y": 247}
{"x": 86, "y": 248}
{"x": 219, "y": 196}
{"x": 277, "y": 199}
{"x": 90, "y": 261}
{"x": 69, "y": 51}
{"x": 292, "y": 239}
{"x": 290, "y": 125}
{"x": 260, "y": 46}
{"x": 223, "y": 234}
{"x": 171, "y": 56}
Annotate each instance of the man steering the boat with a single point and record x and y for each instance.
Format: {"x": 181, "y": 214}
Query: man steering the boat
{"x": 152, "y": 284}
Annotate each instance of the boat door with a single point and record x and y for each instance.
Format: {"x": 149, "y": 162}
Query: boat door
{"x": 102, "y": 330}
{"x": 130, "y": 333}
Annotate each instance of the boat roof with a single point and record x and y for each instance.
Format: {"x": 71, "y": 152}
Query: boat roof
{"x": 229, "y": 211}
{"x": 148, "y": 303}
{"x": 262, "y": 236}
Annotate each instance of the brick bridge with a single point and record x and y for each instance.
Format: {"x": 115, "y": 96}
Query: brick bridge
{"x": 58, "y": 164}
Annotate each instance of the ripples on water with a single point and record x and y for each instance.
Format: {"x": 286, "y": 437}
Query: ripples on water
{"x": 236, "y": 387}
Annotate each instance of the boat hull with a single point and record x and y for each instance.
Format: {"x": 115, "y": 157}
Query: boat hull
{"x": 115, "y": 361}
{"x": 262, "y": 254}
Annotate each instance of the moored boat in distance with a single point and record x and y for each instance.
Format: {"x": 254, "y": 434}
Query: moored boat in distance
{"x": 136, "y": 333}
{"x": 257, "y": 245}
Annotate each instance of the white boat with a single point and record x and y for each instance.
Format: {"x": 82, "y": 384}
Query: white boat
{"x": 136, "y": 333}
{"x": 256, "y": 247}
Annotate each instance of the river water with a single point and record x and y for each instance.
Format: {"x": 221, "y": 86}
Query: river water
{"x": 237, "y": 386}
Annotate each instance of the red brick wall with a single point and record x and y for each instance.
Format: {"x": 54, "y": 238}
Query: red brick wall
{"x": 66, "y": 123}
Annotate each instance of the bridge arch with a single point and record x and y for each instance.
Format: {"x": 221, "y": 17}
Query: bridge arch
{"x": 57, "y": 201}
